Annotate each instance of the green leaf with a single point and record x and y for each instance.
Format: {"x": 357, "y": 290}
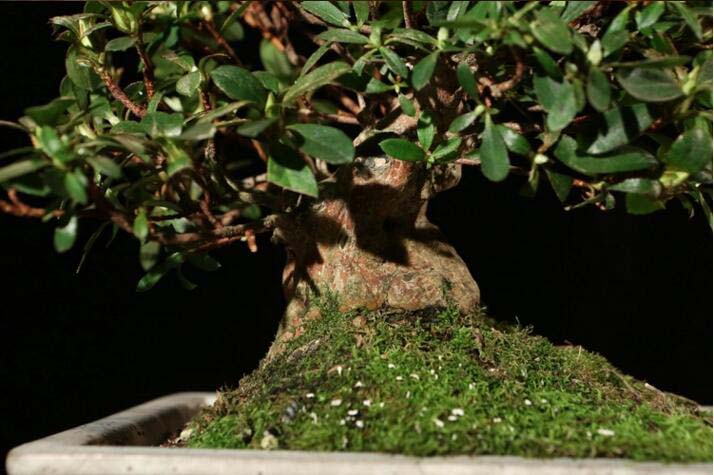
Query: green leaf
{"x": 423, "y": 70}
{"x": 268, "y": 81}
{"x": 75, "y": 183}
{"x": 612, "y": 41}
{"x": 162, "y": 124}
{"x": 20, "y": 168}
{"x": 204, "y": 262}
{"x": 52, "y": 145}
{"x": 574, "y": 9}
{"x": 413, "y": 35}
{"x": 288, "y": 170}
{"x": 623, "y": 160}
{"x": 327, "y": 12}
{"x": 691, "y": 152}
{"x": 66, "y": 235}
{"x": 275, "y": 61}
{"x": 664, "y": 62}
{"x": 105, "y": 166}
{"x": 598, "y": 90}
{"x": 689, "y": 17}
{"x": 80, "y": 72}
{"x": 177, "y": 157}
{"x": 467, "y": 79}
{"x": 642, "y": 204}
{"x": 407, "y": 106}
{"x": 128, "y": 127}
{"x": 256, "y": 127}
{"x": 314, "y": 58}
{"x": 550, "y": 67}
{"x": 644, "y": 186}
{"x": 552, "y": 32}
{"x": 402, "y": 149}
{"x": 622, "y": 126}
{"x": 50, "y": 113}
{"x": 462, "y": 121}
{"x": 122, "y": 43}
{"x": 198, "y": 131}
{"x": 561, "y": 184}
{"x": 149, "y": 254}
{"x": 447, "y": 150}
{"x": 152, "y": 277}
{"x": 361, "y": 11}
{"x": 558, "y": 99}
{"x": 426, "y": 129}
{"x": 394, "y": 62}
{"x": 493, "y": 153}
{"x": 325, "y": 143}
{"x": 649, "y": 15}
{"x": 650, "y": 85}
{"x": 239, "y": 84}
{"x": 140, "y": 227}
{"x": 315, "y": 79}
{"x": 514, "y": 141}
{"x": 188, "y": 84}
{"x": 343, "y": 36}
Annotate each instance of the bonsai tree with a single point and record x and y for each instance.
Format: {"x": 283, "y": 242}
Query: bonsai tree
{"x": 330, "y": 125}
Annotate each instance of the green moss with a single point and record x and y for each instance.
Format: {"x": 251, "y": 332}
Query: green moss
{"x": 439, "y": 382}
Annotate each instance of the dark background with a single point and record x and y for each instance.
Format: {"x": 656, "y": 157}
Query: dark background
{"x": 78, "y": 347}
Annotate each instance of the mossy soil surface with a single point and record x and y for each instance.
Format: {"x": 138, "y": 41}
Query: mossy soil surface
{"x": 437, "y": 383}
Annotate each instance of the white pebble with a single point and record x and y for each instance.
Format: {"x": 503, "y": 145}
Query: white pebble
{"x": 391, "y": 366}
{"x": 399, "y": 378}
{"x": 310, "y": 395}
{"x": 496, "y": 420}
{"x": 457, "y": 412}
{"x": 452, "y": 418}
{"x": 439, "y": 423}
{"x": 359, "y": 424}
{"x": 414, "y": 376}
{"x": 606, "y": 432}
{"x": 335, "y": 402}
{"x": 352, "y": 412}
{"x": 528, "y": 402}
{"x": 359, "y": 384}
{"x": 367, "y": 402}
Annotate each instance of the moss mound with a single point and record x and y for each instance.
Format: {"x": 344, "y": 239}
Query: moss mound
{"x": 437, "y": 382}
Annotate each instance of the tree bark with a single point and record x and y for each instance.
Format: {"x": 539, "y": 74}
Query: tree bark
{"x": 370, "y": 242}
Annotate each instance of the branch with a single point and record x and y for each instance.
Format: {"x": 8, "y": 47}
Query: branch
{"x": 120, "y": 95}
{"x": 17, "y": 208}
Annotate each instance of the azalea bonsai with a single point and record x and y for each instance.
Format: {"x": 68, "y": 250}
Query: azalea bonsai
{"x": 330, "y": 125}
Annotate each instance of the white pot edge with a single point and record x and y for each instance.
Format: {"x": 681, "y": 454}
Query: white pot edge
{"x": 83, "y": 451}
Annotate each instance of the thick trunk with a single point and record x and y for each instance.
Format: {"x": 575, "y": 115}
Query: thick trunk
{"x": 371, "y": 243}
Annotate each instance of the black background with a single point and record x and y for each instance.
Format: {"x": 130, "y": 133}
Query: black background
{"x": 77, "y": 347}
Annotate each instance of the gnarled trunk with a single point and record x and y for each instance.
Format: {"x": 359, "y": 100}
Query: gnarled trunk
{"x": 371, "y": 243}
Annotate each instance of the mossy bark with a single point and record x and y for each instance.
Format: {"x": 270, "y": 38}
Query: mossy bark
{"x": 371, "y": 243}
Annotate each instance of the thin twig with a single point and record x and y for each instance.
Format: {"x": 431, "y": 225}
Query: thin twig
{"x": 222, "y": 42}
{"x": 407, "y": 8}
{"x": 148, "y": 70}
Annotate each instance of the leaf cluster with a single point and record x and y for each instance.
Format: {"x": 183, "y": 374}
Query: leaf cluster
{"x": 241, "y": 111}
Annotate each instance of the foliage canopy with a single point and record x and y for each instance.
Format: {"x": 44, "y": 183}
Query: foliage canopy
{"x": 194, "y": 124}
